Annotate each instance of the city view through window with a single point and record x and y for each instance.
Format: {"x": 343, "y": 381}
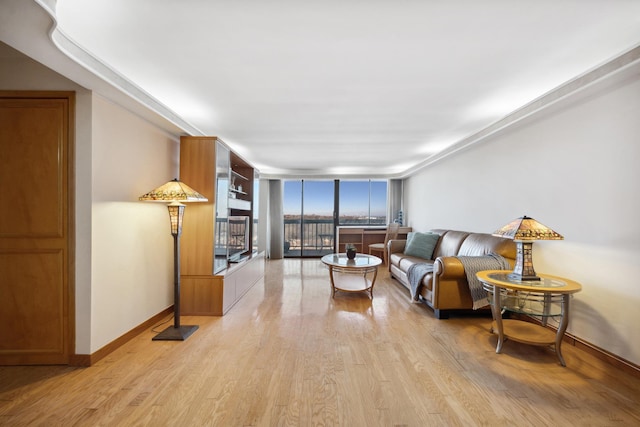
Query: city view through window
{"x": 308, "y": 208}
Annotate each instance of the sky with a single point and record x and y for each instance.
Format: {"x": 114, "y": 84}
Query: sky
{"x": 318, "y": 197}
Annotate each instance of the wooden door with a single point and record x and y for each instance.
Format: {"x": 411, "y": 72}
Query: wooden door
{"x": 36, "y": 314}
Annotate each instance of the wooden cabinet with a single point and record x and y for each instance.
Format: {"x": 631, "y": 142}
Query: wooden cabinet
{"x": 362, "y": 237}
{"x": 214, "y": 295}
{"x": 218, "y": 262}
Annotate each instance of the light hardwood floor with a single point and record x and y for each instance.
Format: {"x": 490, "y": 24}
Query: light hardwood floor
{"x": 288, "y": 354}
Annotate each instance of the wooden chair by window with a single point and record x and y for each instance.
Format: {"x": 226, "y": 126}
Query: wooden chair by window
{"x": 392, "y": 233}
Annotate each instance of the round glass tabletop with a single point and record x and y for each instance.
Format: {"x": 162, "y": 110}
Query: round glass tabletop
{"x": 360, "y": 261}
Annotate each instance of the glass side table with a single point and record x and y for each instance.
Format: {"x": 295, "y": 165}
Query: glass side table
{"x": 545, "y": 298}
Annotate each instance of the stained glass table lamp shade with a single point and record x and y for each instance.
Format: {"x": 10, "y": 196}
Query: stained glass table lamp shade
{"x": 524, "y": 231}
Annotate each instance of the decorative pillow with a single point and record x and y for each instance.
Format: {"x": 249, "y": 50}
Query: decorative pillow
{"x": 421, "y": 244}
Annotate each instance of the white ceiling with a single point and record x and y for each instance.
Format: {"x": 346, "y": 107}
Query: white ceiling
{"x": 348, "y": 87}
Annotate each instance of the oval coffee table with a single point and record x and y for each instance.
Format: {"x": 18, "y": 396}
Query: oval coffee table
{"x": 356, "y": 275}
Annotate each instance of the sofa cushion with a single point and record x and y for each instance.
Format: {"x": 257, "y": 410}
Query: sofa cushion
{"x": 449, "y": 243}
{"x": 406, "y": 261}
{"x": 421, "y": 244}
{"x": 479, "y": 244}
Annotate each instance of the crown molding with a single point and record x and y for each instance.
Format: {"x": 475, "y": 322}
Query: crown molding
{"x": 32, "y": 28}
{"x": 627, "y": 62}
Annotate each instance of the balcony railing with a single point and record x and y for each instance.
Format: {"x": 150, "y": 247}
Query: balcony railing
{"x": 308, "y": 237}
{"x": 316, "y": 237}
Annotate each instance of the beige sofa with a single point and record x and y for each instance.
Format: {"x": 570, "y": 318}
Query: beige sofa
{"x": 445, "y": 289}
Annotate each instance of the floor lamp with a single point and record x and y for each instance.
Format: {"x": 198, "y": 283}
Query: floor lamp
{"x": 175, "y": 192}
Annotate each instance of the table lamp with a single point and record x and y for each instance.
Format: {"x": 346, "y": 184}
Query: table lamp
{"x": 524, "y": 231}
{"x": 175, "y": 192}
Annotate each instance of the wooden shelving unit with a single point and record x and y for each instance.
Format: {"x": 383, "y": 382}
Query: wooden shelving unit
{"x": 211, "y": 283}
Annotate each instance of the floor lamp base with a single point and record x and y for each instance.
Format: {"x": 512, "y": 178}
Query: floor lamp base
{"x": 172, "y": 333}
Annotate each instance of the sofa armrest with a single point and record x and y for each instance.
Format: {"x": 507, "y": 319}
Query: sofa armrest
{"x": 396, "y": 246}
{"x": 448, "y": 267}
{"x": 450, "y": 288}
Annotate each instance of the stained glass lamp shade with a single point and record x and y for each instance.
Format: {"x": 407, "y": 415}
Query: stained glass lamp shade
{"x": 524, "y": 231}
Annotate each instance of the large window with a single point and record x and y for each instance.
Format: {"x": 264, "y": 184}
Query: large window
{"x": 308, "y": 217}
{"x": 363, "y": 203}
{"x": 310, "y": 209}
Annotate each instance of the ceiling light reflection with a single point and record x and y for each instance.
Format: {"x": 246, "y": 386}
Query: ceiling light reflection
{"x": 501, "y": 105}
{"x": 435, "y": 147}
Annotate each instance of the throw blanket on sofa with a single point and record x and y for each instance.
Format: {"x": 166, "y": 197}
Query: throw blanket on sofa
{"x": 474, "y": 264}
{"x": 415, "y": 274}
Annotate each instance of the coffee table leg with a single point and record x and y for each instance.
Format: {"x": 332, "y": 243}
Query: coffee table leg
{"x": 373, "y": 281}
{"x": 333, "y": 285}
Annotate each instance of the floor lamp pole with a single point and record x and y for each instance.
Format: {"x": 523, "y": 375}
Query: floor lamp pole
{"x": 176, "y": 332}
{"x": 176, "y": 280}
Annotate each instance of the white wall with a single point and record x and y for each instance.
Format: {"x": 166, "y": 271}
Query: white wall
{"x": 574, "y": 168}
{"x": 124, "y": 249}
{"x": 18, "y": 72}
{"x": 132, "y": 246}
